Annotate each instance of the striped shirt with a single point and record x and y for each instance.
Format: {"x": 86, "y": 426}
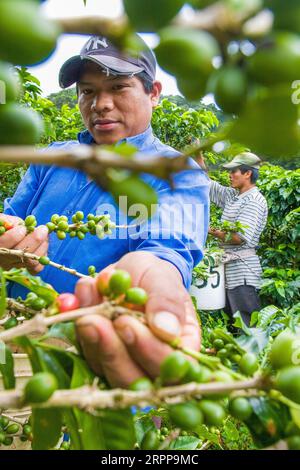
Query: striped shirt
{"x": 249, "y": 208}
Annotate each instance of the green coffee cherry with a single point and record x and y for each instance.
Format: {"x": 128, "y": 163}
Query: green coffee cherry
{"x": 119, "y": 282}
{"x": 80, "y": 235}
{"x": 30, "y": 221}
{"x": 173, "y": 368}
{"x": 79, "y": 216}
{"x": 214, "y": 414}
{"x": 141, "y": 384}
{"x": 61, "y": 235}
{"x": 8, "y": 441}
{"x": 10, "y": 323}
{"x": 62, "y": 225}
{"x": 248, "y": 364}
{"x": 54, "y": 218}
{"x": 44, "y": 260}
{"x": 136, "y": 295}
{"x": 186, "y": 415}
{"x": 92, "y": 270}
{"x": 13, "y": 428}
{"x": 51, "y": 227}
{"x": 240, "y": 408}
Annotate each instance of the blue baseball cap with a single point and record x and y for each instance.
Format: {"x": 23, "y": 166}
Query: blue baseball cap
{"x": 103, "y": 52}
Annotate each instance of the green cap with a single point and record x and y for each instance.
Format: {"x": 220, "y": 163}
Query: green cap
{"x": 245, "y": 158}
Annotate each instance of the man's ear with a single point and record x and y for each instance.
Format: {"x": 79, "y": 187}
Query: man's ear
{"x": 155, "y": 93}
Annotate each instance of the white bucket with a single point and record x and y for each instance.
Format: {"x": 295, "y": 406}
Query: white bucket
{"x": 210, "y": 294}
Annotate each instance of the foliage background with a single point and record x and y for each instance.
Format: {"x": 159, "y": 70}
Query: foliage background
{"x": 179, "y": 123}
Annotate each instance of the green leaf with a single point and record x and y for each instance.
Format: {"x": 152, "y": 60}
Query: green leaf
{"x": 184, "y": 443}
{"x": 46, "y": 428}
{"x": 142, "y": 426}
{"x": 118, "y": 429}
{"x": 33, "y": 283}
{"x": 3, "y": 302}
{"x": 7, "y": 367}
{"x": 269, "y": 420}
{"x": 205, "y": 434}
{"x": 64, "y": 331}
{"x": 231, "y": 431}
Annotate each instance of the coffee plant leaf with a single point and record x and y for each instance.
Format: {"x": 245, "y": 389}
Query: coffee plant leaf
{"x": 184, "y": 443}
{"x": 46, "y": 428}
{"x": 7, "y": 368}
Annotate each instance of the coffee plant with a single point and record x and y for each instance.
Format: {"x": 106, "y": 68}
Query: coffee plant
{"x": 247, "y": 54}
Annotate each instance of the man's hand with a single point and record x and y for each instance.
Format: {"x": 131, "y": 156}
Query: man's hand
{"x": 17, "y": 239}
{"x": 126, "y": 349}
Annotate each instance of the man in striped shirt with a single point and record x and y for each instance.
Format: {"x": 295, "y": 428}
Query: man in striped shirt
{"x": 242, "y": 203}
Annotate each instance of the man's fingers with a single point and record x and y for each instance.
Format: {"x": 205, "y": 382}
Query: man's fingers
{"x": 87, "y": 293}
{"x": 163, "y": 284}
{"x": 145, "y": 348}
{"x": 105, "y": 351}
{"x": 33, "y": 241}
{"x": 12, "y": 237}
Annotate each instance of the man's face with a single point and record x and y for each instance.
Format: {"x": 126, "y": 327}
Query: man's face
{"x": 114, "y": 107}
{"x": 238, "y": 179}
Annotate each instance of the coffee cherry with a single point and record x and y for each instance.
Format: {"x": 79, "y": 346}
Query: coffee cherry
{"x": 54, "y": 218}
{"x": 44, "y": 260}
{"x": 30, "y": 221}
{"x": 72, "y": 234}
{"x": 119, "y": 282}
{"x": 173, "y": 368}
{"x": 218, "y": 343}
{"x": 27, "y": 429}
{"x": 197, "y": 373}
{"x": 80, "y": 235}
{"x": 103, "y": 283}
{"x": 51, "y": 226}
{"x": 214, "y": 414}
{"x": 136, "y": 295}
{"x": 38, "y": 304}
{"x": 4, "y": 422}
{"x": 63, "y": 225}
{"x": 186, "y": 415}
{"x": 141, "y": 384}
{"x": 2, "y": 231}
{"x": 240, "y": 408}
{"x": 8, "y": 441}
{"x": 79, "y": 216}
{"x": 248, "y": 364}
{"x": 12, "y": 428}
{"x": 10, "y": 323}
{"x": 66, "y": 302}
{"x": 91, "y": 270}
{"x": 61, "y": 235}
{"x": 40, "y": 387}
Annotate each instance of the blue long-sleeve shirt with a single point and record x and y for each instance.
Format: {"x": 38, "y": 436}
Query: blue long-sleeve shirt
{"x": 176, "y": 233}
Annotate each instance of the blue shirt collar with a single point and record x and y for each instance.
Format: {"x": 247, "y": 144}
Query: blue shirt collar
{"x": 139, "y": 141}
